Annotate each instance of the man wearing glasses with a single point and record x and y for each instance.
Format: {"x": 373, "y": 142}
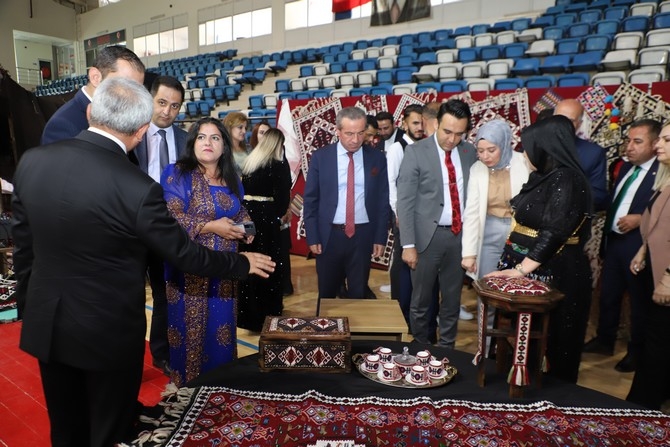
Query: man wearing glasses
{"x": 431, "y": 185}
{"x": 346, "y": 207}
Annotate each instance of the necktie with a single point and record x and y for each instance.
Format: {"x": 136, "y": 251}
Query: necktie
{"x": 349, "y": 219}
{"x": 453, "y": 193}
{"x": 163, "y": 154}
{"x": 614, "y": 207}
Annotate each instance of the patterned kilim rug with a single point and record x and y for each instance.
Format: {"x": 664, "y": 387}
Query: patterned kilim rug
{"x": 216, "y": 416}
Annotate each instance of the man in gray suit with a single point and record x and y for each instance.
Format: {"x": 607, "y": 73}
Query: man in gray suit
{"x": 431, "y": 197}
{"x": 163, "y": 143}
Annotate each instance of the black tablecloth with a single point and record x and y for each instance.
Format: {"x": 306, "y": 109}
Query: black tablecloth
{"x": 244, "y": 374}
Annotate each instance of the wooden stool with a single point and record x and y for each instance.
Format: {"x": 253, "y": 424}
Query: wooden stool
{"x": 523, "y": 306}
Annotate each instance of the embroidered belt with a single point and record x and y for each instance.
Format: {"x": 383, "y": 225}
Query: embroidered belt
{"x": 530, "y": 232}
{"x": 258, "y": 198}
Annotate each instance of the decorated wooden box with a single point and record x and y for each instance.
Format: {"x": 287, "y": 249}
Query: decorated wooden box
{"x": 315, "y": 344}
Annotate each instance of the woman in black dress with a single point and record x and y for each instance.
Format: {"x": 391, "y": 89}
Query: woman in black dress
{"x": 267, "y": 186}
{"x": 552, "y": 223}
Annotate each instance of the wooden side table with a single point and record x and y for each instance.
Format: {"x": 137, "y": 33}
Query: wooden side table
{"x": 523, "y": 306}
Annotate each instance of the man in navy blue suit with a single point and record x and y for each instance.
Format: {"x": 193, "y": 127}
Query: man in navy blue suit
{"x": 168, "y": 95}
{"x": 70, "y": 119}
{"x": 621, "y": 240}
{"x": 345, "y": 209}
{"x": 591, "y": 156}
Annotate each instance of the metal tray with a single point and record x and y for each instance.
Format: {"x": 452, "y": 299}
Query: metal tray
{"x": 358, "y": 360}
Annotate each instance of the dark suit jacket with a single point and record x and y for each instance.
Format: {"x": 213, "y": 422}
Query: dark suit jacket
{"x": 421, "y": 192}
{"x": 320, "y": 195}
{"x": 637, "y": 206}
{"x": 594, "y": 163}
{"x": 84, "y": 220}
{"x": 68, "y": 121}
{"x": 140, "y": 151}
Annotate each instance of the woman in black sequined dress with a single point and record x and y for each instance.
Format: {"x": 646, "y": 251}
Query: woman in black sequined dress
{"x": 552, "y": 214}
{"x": 267, "y": 186}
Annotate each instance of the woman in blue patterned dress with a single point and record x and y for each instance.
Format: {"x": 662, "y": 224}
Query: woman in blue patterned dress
{"x": 203, "y": 193}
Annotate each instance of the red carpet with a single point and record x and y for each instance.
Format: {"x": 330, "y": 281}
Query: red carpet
{"x": 221, "y": 416}
{"x": 23, "y": 414}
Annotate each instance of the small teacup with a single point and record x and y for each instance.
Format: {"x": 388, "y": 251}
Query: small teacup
{"x": 435, "y": 369}
{"x": 390, "y": 372}
{"x": 422, "y": 358}
{"x": 372, "y": 362}
{"x": 385, "y": 354}
{"x": 419, "y": 374}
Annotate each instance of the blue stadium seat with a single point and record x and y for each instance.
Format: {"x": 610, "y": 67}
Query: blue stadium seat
{"x": 568, "y": 46}
{"x": 520, "y": 24}
{"x": 576, "y": 7}
{"x": 635, "y": 23}
{"x": 515, "y": 50}
{"x": 321, "y": 93}
{"x": 381, "y": 89}
{"x": 204, "y": 108}
{"x": 553, "y": 32}
{"x": 219, "y": 94}
{"x": 426, "y": 59}
{"x": 466, "y": 55}
{"x": 555, "y": 10}
{"x": 600, "y": 4}
{"x": 597, "y": 42}
{"x": 336, "y": 67}
{"x": 606, "y": 27}
{"x": 588, "y": 61}
{"x": 306, "y": 70}
{"x": 351, "y": 66}
{"x": 286, "y": 95}
{"x": 404, "y": 75}
{"x": 590, "y": 15}
{"x": 543, "y": 21}
{"x": 356, "y": 91}
{"x": 555, "y": 64}
{"x": 662, "y": 20}
{"x": 490, "y": 52}
{"x": 480, "y": 28}
{"x": 385, "y": 76}
{"x": 442, "y": 34}
{"x": 565, "y": 19}
{"x": 508, "y": 84}
{"x": 282, "y": 85}
{"x": 426, "y": 87}
{"x": 579, "y": 30}
{"x": 616, "y": 13}
{"x": 405, "y": 60}
{"x": 256, "y": 102}
{"x": 303, "y": 95}
{"x": 192, "y": 109}
{"x": 453, "y": 86}
{"x": 573, "y": 80}
{"x": 503, "y": 25}
{"x": 462, "y": 31}
{"x": 539, "y": 82}
{"x": 625, "y": 3}
{"x": 528, "y": 66}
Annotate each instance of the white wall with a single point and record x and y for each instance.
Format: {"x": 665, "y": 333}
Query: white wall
{"x": 28, "y": 54}
{"x": 48, "y": 17}
{"x": 129, "y": 14}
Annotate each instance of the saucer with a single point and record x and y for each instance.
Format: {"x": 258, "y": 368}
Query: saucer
{"x": 380, "y": 376}
{"x": 440, "y": 377}
{"x": 409, "y": 379}
{"x": 369, "y": 371}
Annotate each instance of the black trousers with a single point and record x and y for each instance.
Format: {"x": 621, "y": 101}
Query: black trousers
{"x": 616, "y": 279}
{"x": 158, "y": 341}
{"x": 91, "y": 408}
{"x": 345, "y": 257}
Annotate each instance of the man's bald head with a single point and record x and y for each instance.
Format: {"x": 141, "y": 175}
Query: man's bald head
{"x": 572, "y": 110}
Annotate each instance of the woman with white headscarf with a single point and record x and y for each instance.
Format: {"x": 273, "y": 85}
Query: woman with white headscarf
{"x": 495, "y": 178}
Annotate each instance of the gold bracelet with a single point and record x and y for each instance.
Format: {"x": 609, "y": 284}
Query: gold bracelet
{"x": 520, "y": 269}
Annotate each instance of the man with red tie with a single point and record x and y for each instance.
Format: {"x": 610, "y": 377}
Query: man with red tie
{"x": 345, "y": 207}
{"x": 431, "y": 197}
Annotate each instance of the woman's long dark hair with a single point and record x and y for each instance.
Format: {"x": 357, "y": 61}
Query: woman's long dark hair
{"x": 226, "y": 165}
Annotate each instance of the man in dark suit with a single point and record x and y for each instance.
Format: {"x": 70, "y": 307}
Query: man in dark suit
{"x": 71, "y": 119}
{"x": 345, "y": 207}
{"x": 621, "y": 240}
{"x": 388, "y": 133}
{"x": 592, "y": 157}
{"x": 389, "y": 12}
{"x": 432, "y": 183}
{"x": 85, "y": 219}
{"x": 162, "y": 144}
